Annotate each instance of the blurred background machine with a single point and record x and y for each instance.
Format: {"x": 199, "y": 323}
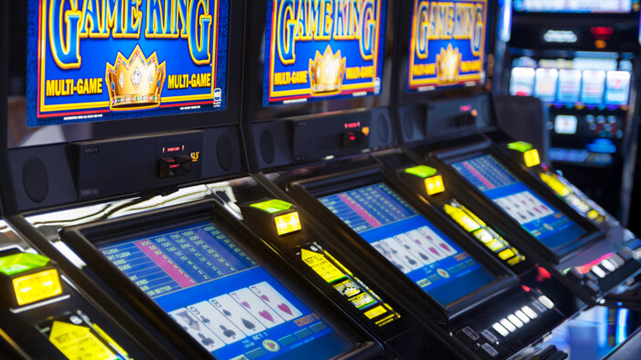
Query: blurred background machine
{"x": 581, "y": 58}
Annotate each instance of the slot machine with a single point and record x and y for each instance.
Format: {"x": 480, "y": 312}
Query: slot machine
{"x": 316, "y": 113}
{"x": 122, "y": 142}
{"x": 531, "y": 219}
{"x": 581, "y": 59}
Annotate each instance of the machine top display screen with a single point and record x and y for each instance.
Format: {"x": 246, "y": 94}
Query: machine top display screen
{"x": 96, "y": 60}
{"x": 448, "y": 44}
{"x": 323, "y": 49}
{"x": 410, "y": 242}
{"x": 550, "y": 226}
{"x": 232, "y": 306}
{"x": 577, "y": 6}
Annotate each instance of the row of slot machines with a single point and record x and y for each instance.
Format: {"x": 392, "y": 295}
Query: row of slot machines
{"x": 581, "y": 59}
{"x": 280, "y": 179}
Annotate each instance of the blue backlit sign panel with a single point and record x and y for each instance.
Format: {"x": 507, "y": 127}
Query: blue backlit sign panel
{"x": 447, "y": 44}
{"x": 323, "y": 49}
{"x": 104, "y": 60}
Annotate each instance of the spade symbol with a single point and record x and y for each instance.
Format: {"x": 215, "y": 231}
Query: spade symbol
{"x": 248, "y": 324}
{"x": 226, "y": 312}
{"x": 228, "y": 332}
{"x": 423, "y": 256}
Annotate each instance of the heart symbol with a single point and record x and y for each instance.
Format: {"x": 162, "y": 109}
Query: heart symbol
{"x": 245, "y": 304}
{"x": 285, "y": 308}
{"x": 445, "y": 247}
{"x": 271, "y": 345}
{"x": 264, "y": 297}
{"x": 266, "y": 315}
{"x": 434, "y": 251}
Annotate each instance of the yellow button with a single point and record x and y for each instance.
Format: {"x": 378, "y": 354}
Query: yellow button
{"x": 35, "y": 287}
{"x": 506, "y": 254}
{"x": 287, "y": 223}
{"x": 531, "y": 158}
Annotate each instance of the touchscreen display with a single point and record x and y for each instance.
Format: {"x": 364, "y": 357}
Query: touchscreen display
{"x": 323, "y": 49}
{"x": 104, "y": 60}
{"x": 410, "y": 242}
{"x": 553, "y": 228}
{"x": 227, "y": 302}
{"x": 447, "y": 44}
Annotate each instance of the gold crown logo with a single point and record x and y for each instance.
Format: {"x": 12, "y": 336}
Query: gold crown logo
{"x": 448, "y": 63}
{"x": 135, "y": 82}
{"x": 327, "y": 72}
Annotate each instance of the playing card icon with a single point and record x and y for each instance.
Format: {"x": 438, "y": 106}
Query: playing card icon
{"x": 285, "y": 308}
{"x": 205, "y": 340}
{"x": 228, "y": 332}
{"x": 265, "y": 314}
{"x": 248, "y": 324}
{"x": 190, "y": 321}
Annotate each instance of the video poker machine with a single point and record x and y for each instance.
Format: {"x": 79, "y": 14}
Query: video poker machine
{"x": 529, "y": 217}
{"x": 314, "y": 140}
{"x": 581, "y": 59}
{"x": 125, "y": 170}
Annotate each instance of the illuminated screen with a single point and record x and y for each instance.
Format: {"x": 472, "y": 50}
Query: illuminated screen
{"x": 410, "y": 242}
{"x": 232, "y": 306}
{"x": 575, "y": 6}
{"x": 323, "y": 49}
{"x": 553, "y": 228}
{"x": 447, "y": 44}
{"x": 96, "y": 61}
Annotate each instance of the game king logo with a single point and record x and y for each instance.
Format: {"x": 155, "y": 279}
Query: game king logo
{"x": 323, "y": 48}
{"x": 109, "y": 59}
{"x": 447, "y": 44}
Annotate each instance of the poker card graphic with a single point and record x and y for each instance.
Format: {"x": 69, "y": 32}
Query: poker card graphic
{"x": 384, "y": 250}
{"x": 235, "y": 313}
{"x": 216, "y": 322}
{"x": 255, "y": 306}
{"x": 408, "y": 244}
{"x": 197, "y": 329}
{"x": 437, "y": 241}
{"x": 401, "y": 253}
{"x": 275, "y": 301}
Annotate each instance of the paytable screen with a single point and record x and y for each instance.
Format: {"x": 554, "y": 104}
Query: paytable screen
{"x": 231, "y": 305}
{"x": 410, "y": 242}
{"x": 550, "y": 226}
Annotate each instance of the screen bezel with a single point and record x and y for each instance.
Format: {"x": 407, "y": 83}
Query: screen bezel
{"x": 253, "y": 109}
{"x": 402, "y": 96}
{"x": 311, "y": 189}
{"x": 592, "y": 233}
{"x": 85, "y": 239}
{"x": 140, "y": 125}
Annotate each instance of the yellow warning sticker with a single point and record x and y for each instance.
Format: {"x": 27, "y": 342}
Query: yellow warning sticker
{"x": 321, "y": 266}
{"x": 78, "y": 342}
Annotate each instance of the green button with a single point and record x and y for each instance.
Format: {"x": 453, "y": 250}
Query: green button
{"x": 520, "y": 146}
{"x": 17, "y": 263}
{"x": 272, "y": 206}
{"x": 421, "y": 171}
